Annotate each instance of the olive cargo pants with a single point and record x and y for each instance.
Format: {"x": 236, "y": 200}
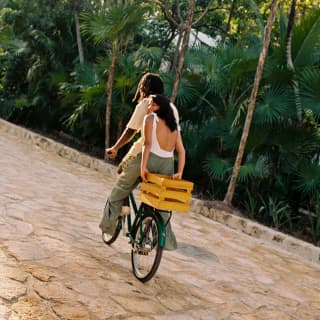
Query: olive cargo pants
{"x": 127, "y": 181}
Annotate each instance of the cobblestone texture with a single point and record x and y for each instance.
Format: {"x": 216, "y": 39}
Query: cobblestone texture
{"x": 53, "y": 264}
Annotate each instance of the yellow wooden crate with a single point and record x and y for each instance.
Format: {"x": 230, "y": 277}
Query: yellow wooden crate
{"x": 164, "y": 193}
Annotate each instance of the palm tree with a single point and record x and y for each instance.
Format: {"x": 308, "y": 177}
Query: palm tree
{"x": 214, "y": 88}
{"x": 75, "y": 8}
{"x": 114, "y": 25}
{"x": 244, "y": 137}
{"x": 185, "y": 42}
{"x": 289, "y": 151}
{"x": 184, "y": 30}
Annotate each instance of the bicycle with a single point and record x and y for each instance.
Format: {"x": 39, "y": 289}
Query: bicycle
{"x": 147, "y": 230}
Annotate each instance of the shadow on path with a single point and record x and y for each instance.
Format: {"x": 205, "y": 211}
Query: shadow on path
{"x": 188, "y": 249}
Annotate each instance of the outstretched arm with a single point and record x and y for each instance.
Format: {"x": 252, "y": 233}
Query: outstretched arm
{"x": 134, "y": 125}
{"x": 126, "y": 136}
{"x": 181, "y": 157}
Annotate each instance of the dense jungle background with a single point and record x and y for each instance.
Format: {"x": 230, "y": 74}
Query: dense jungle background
{"x": 69, "y": 69}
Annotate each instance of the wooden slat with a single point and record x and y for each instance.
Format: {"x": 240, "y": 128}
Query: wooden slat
{"x": 152, "y": 188}
{"x": 180, "y": 195}
{"x": 164, "y": 193}
{"x": 176, "y": 195}
{"x": 169, "y": 182}
{"x": 164, "y": 205}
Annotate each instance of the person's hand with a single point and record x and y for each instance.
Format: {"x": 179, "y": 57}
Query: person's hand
{"x": 177, "y": 176}
{"x": 144, "y": 174}
{"x": 110, "y": 153}
{"x": 119, "y": 169}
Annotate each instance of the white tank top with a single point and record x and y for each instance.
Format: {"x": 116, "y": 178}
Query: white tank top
{"x": 155, "y": 147}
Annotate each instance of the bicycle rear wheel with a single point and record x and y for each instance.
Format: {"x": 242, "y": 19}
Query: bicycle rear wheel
{"x": 110, "y": 238}
{"x": 146, "y": 253}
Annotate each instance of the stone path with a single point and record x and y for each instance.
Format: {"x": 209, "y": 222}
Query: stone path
{"x": 53, "y": 264}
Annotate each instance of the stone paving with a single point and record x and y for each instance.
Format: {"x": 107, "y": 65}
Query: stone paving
{"x": 53, "y": 264}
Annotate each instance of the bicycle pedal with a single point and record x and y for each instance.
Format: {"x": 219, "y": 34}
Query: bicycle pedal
{"x": 144, "y": 250}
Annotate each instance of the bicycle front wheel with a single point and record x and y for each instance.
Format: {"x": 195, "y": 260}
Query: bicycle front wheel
{"x": 146, "y": 253}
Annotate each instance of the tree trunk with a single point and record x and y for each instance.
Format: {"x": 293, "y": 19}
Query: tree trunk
{"x": 289, "y": 34}
{"x": 112, "y": 70}
{"x": 177, "y": 51}
{"x": 245, "y": 133}
{"x": 79, "y": 41}
{"x": 231, "y": 11}
{"x": 290, "y": 64}
{"x": 184, "y": 47}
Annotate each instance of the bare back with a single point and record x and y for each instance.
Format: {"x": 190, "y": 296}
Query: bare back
{"x": 166, "y": 138}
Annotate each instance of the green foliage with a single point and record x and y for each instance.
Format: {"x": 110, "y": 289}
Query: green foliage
{"x": 308, "y": 178}
{"x": 272, "y": 108}
{"x": 252, "y": 205}
{"x": 148, "y": 58}
{"x": 306, "y": 40}
{"x": 217, "y": 168}
{"x": 83, "y": 99}
{"x": 278, "y": 210}
{"x": 315, "y": 221}
{"x": 112, "y": 23}
{"x": 43, "y": 85}
{"x": 309, "y": 80}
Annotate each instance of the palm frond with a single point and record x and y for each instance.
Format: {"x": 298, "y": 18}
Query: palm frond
{"x": 10, "y": 43}
{"x": 148, "y": 58}
{"x": 283, "y": 27}
{"x": 273, "y": 108}
{"x": 229, "y": 68}
{"x": 186, "y": 92}
{"x": 308, "y": 178}
{"x": 247, "y": 172}
{"x": 7, "y": 109}
{"x": 259, "y": 19}
{"x": 275, "y": 69}
{"x": 72, "y": 120}
{"x": 41, "y": 42}
{"x": 238, "y": 61}
{"x": 306, "y": 40}
{"x": 36, "y": 70}
{"x": 200, "y": 59}
{"x": 257, "y": 137}
{"x": 112, "y": 23}
{"x": 217, "y": 168}
{"x": 85, "y": 75}
{"x": 297, "y": 141}
{"x": 309, "y": 80}
{"x": 93, "y": 94}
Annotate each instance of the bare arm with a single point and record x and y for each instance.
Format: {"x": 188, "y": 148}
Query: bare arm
{"x": 126, "y": 136}
{"x": 147, "y": 131}
{"x": 181, "y": 157}
{"x": 133, "y": 126}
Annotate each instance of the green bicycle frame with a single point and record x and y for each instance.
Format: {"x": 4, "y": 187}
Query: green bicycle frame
{"x": 138, "y": 214}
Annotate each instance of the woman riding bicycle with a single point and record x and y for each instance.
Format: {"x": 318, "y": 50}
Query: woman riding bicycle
{"x": 130, "y": 166}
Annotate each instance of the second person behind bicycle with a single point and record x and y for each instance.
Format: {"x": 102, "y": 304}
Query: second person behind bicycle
{"x": 161, "y": 139}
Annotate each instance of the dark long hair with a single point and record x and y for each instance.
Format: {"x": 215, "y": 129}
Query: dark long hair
{"x": 150, "y": 83}
{"x": 165, "y": 111}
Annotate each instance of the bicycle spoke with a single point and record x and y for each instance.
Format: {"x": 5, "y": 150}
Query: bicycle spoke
{"x": 146, "y": 253}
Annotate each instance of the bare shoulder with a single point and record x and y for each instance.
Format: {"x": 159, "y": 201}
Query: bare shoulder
{"x": 149, "y": 117}
{"x": 148, "y": 120}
